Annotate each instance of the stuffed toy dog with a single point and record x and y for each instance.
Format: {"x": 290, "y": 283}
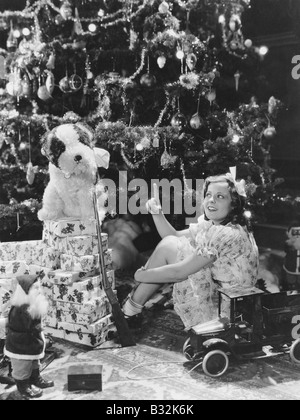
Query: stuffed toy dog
{"x": 73, "y": 169}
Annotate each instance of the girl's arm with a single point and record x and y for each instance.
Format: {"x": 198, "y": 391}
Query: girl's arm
{"x": 174, "y": 273}
{"x": 163, "y": 227}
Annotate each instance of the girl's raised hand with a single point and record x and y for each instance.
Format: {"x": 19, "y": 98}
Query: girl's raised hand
{"x": 153, "y": 205}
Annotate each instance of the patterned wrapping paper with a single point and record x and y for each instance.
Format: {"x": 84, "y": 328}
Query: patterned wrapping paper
{"x": 86, "y": 285}
{"x": 33, "y": 252}
{"x": 41, "y": 272}
{"x": 10, "y": 251}
{"x": 50, "y": 319}
{"x": 88, "y": 307}
{"x": 3, "y": 323}
{"x": 5, "y": 301}
{"x": 68, "y": 227}
{"x": 77, "y": 245}
{"x": 62, "y": 294}
{"x": 68, "y": 277}
{"x": 90, "y": 340}
{"x": 94, "y": 328}
{"x": 15, "y": 268}
{"x": 85, "y": 263}
{"x": 66, "y": 314}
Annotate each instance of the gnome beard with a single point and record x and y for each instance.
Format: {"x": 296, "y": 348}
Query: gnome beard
{"x": 38, "y": 304}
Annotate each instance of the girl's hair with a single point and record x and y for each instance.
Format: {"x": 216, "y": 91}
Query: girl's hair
{"x": 236, "y": 215}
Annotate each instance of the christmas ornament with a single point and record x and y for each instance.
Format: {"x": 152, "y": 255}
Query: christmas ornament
{"x": 30, "y": 174}
{"x": 211, "y": 96}
{"x": 191, "y": 61}
{"x": 12, "y": 41}
{"x": 178, "y": 120}
{"x": 26, "y": 86}
{"x": 237, "y": 77}
{"x": 196, "y": 122}
{"x": 248, "y": 43}
{"x": 50, "y": 82}
{"x": 270, "y": 133}
{"x": 10, "y": 88}
{"x": 156, "y": 140}
{"x": 77, "y": 24}
{"x": 89, "y": 74}
{"x": 148, "y": 80}
{"x": 43, "y": 93}
{"x": 66, "y": 10}
{"x": 272, "y": 105}
{"x": 164, "y": 7}
{"x": 64, "y": 84}
{"x": 161, "y": 61}
{"x": 75, "y": 82}
{"x": 58, "y": 19}
{"x": 51, "y": 62}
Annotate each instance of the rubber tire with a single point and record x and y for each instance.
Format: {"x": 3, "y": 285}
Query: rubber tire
{"x": 188, "y": 350}
{"x": 208, "y": 358}
{"x": 295, "y": 349}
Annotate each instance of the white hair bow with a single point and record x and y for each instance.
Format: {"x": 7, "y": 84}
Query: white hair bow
{"x": 239, "y": 185}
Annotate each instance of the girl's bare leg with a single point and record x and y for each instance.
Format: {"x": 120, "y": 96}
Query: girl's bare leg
{"x": 164, "y": 254}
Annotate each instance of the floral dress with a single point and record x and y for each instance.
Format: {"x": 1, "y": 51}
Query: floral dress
{"x": 235, "y": 263}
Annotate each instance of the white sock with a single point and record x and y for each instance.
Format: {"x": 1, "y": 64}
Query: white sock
{"x": 131, "y": 308}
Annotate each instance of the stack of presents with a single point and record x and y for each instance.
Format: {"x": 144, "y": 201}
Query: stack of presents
{"x": 67, "y": 262}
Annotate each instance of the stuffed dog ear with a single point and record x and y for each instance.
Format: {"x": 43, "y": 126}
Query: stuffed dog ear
{"x": 86, "y": 129}
{"x": 102, "y": 157}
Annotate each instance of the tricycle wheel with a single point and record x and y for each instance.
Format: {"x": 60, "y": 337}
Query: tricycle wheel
{"x": 215, "y": 363}
{"x": 188, "y": 350}
{"x": 295, "y": 351}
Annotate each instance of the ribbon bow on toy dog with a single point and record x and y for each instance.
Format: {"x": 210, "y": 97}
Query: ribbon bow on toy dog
{"x": 239, "y": 185}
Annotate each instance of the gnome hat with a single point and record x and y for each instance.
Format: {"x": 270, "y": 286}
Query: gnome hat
{"x": 26, "y": 282}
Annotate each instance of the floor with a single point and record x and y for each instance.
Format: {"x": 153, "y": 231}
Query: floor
{"x": 156, "y": 369}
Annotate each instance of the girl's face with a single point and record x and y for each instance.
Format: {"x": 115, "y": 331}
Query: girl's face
{"x": 217, "y": 202}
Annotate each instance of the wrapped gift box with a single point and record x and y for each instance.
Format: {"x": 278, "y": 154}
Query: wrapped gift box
{"x": 3, "y": 323}
{"x": 94, "y": 328}
{"x": 90, "y": 340}
{"x": 50, "y": 319}
{"x": 68, "y": 227}
{"x": 61, "y": 293}
{"x": 68, "y": 277}
{"x": 89, "y": 307}
{"x": 46, "y": 256}
{"x": 14, "y": 268}
{"x": 18, "y": 250}
{"x": 69, "y": 313}
{"x": 81, "y": 245}
{"x": 85, "y": 263}
{"x": 5, "y": 301}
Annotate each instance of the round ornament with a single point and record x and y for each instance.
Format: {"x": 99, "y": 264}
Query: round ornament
{"x": 10, "y": 88}
{"x": 64, "y": 85}
{"x": 270, "y": 133}
{"x": 43, "y": 93}
{"x": 248, "y": 43}
{"x": 75, "y": 82}
{"x": 161, "y": 61}
{"x": 178, "y": 120}
{"x": 196, "y": 122}
{"x": 58, "y": 19}
{"x": 148, "y": 80}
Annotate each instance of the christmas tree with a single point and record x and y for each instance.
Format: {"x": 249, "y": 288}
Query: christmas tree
{"x": 170, "y": 88}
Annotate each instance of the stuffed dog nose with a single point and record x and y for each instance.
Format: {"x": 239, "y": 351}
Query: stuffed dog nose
{"x": 78, "y": 158}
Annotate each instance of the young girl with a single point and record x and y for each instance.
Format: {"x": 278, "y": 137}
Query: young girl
{"x": 217, "y": 251}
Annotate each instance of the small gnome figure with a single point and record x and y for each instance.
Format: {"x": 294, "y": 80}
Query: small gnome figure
{"x": 291, "y": 264}
{"x": 25, "y": 342}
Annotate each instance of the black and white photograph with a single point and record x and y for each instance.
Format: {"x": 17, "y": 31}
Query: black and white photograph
{"x": 149, "y": 202}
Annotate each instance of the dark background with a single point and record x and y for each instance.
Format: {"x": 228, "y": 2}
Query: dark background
{"x": 275, "y": 23}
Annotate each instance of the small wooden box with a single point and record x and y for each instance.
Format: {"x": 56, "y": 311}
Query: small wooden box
{"x": 85, "y": 378}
